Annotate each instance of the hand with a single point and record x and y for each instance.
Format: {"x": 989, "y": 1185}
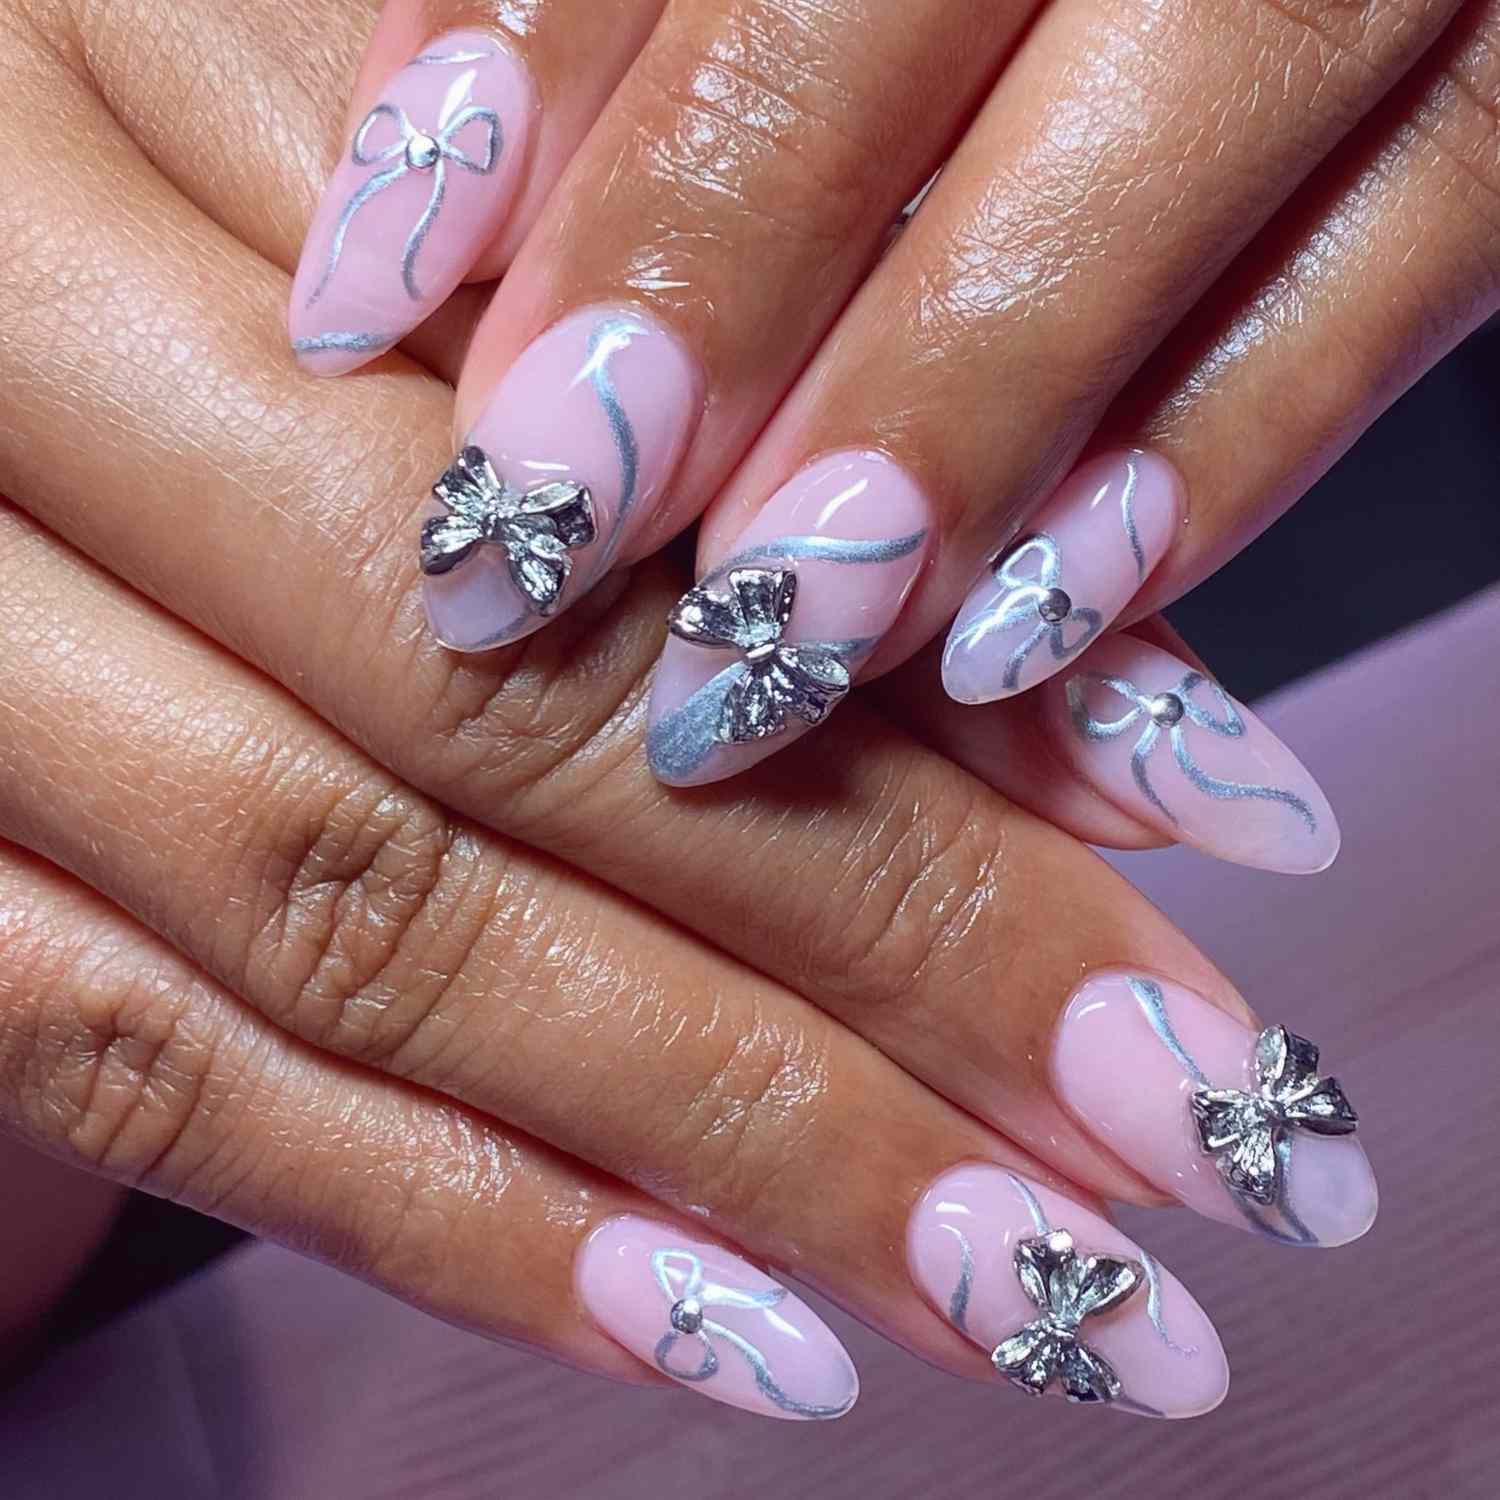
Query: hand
{"x": 1206, "y": 242}
{"x": 406, "y": 959}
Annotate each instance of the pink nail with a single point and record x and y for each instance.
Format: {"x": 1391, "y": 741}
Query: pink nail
{"x": 1243, "y": 1127}
{"x": 1047, "y": 596}
{"x": 581, "y": 435}
{"x": 766, "y": 645}
{"x": 423, "y": 187}
{"x": 1059, "y": 1298}
{"x": 1170, "y": 747}
{"x": 709, "y": 1319}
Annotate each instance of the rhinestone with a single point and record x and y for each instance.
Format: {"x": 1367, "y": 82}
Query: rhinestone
{"x": 687, "y": 1315}
{"x": 1166, "y": 709}
{"x": 1055, "y": 606}
{"x": 422, "y": 152}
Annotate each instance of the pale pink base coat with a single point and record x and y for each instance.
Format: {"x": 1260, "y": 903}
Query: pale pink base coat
{"x": 618, "y": 1287}
{"x": 366, "y": 294}
{"x": 545, "y": 421}
{"x": 1116, "y": 1076}
{"x": 1097, "y": 569}
{"x": 1178, "y": 1372}
{"x": 853, "y": 496}
{"x": 1264, "y": 834}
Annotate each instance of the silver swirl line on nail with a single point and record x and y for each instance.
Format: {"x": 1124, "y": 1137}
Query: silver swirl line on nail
{"x": 1127, "y": 515}
{"x": 413, "y": 150}
{"x": 356, "y": 343}
{"x": 830, "y": 549}
{"x": 958, "y": 1303}
{"x": 680, "y": 741}
{"x": 1170, "y": 713}
{"x": 1033, "y": 1206}
{"x": 689, "y": 1321}
{"x": 1153, "y": 1308}
{"x": 608, "y": 339}
{"x": 1153, "y": 1004}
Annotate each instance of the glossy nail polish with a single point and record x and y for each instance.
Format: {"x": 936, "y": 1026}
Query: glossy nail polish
{"x": 1060, "y": 1299}
{"x": 709, "y": 1319}
{"x": 1051, "y": 593}
{"x": 767, "y": 644}
{"x": 1169, "y": 746}
{"x": 564, "y": 462}
{"x": 423, "y": 186}
{"x": 1241, "y": 1126}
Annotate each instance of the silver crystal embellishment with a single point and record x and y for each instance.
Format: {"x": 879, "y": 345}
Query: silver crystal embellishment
{"x": 779, "y": 680}
{"x": 1241, "y": 1128}
{"x": 1067, "y": 1288}
{"x": 537, "y": 527}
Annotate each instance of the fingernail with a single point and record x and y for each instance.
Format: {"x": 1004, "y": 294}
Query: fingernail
{"x": 1169, "y": 746}
{"x": 1243, "y": 1127}
{"x": 565, "y": 461}
{"x": 1060, "y": 1299}
{"x": 423, "y": 186}
{"x": 766, "y": 645}
{"x": 1047, "y": 596}
{"x": 709, "y": 1319}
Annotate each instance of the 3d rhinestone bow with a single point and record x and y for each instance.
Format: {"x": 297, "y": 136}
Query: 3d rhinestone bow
{"x": 1241, "y": 1130}
{"x": 777, "y": 679}
{"x": 1067, "y": 1288}
{"x": 536, "y": 527}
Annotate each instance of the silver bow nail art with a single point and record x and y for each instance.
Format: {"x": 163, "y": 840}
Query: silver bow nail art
{"x": 681, "y": 1276}
{"x": 536, "y": 527}
{"x": 1241, "y": 1130}
{"x": 777, "y": 679}
{"x": 1171, "y": 714}
{"x": 413, "y": 150}
{"x": 1067, "y": 1288}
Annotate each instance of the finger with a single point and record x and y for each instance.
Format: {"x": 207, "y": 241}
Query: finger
{"x": 934, "y": 935}
{"x": 738, "y": 186}
{"x": 1038, "y": 264}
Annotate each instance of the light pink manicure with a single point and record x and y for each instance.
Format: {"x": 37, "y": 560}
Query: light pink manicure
{"x": 1051, "y": 593}
{"x": 1132, "y": 1052}
{"x": 1167, "y": 745}
{"x": 709, "y": 1319}
{"x": 766, "y": 644}
{"x": 423, "y": 187}
{"x": 605, "y": 399}
{"x": 1150, "y": 1350}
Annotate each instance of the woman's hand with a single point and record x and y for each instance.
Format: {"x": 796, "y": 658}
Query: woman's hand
{"x": 405, "y": 957}
{"x": 1210, "y": 241}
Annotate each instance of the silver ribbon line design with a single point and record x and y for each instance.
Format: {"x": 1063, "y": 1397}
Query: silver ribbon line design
{"x": 413, "y": 150}
{"x": 611, "y": 337}
{"x": 829, "y": 549}
{"x": 1034, "y": 594}
{"x": 1148, "y": 995}
{"x": 690, "y": 1296}
{"x": 1127, "y": 516}
{"x": 1171, "y": 713}
{"x": 343, "y": 342}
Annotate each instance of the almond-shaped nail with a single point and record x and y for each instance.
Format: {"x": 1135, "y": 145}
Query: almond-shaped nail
{"x": 564, "y": 463}
{"x": 1243, "y": 1126}
{"x": 424, "y": 185}
{"x": 767, "y": 644}
{"x": 1169, "y": 746}
{"x": 1060, "y": 1299}
{"x": 709, "y": 1319}
{"x": 1050, "y": 594}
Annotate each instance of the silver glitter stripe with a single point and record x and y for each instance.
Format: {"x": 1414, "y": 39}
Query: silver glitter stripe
{"x": 1033, "y": 1207}
{"x": 418, "y": 237}
{"x": 368, "y": 189}
{"x": 1211, "y": 786}
{"x": 958, "y": 1303}
{"x": 351, "y": 342}
{"x": 766, "y": 1383}
{"x": 1303, "y": 1235}
{"x": 1125, "y": 1403}
{"x": 1153, "y": 1308}
{"x": 679, "y": 742}
{"x": 1127, "y": 515}
{"x": 610, "y": 336}
{"x": 1153, "y": 1004}
{"x": 1138, "y": 757}
{"x": 819, "y": 549}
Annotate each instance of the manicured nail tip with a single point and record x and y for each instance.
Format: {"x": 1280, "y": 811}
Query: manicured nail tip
{"x": 1048, "y": 595}
{"x": 712, "y": 1321}
{"x": 566, "y": 460}
{"x": 422, "y": 188}
{"x": 1060, "y": 1299}
{"x": 766, "y": 645}
{"x": 1166, "y": 744}
{"x": 1240, "y": 1126}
